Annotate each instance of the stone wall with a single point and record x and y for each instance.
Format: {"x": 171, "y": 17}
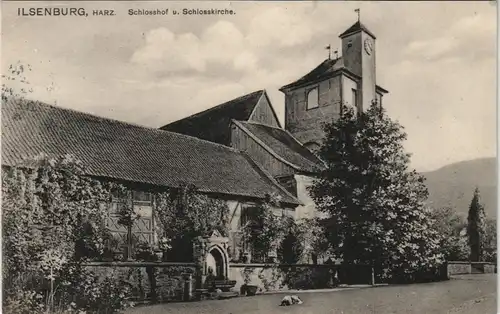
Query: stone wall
{"x": 457, "y": 268}
{"x": 169, "y": 280}
{"x": 300, "y": 276}
{"x": 306, "y": 125}
{"x": 489, "y": 269}
{"x": 461, "y": 268}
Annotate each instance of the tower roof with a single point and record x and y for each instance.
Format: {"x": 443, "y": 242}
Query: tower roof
{"x": 356, "y": 27}
{"x": 328, "y": 66}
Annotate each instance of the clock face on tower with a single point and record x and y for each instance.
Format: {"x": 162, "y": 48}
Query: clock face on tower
{"x": 368, "y": 46}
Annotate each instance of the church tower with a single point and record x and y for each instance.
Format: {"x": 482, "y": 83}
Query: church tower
{"x": 316, "y": 98}
{"x": 358, "y": 51}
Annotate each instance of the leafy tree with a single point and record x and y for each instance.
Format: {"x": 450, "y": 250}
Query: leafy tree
{"x": 316, "y": 244}
{"x": 15, "y": 83}
{"x": 490, "y": 241}
{"x": 476, "y": 228}
{"x": 375, "y": 204}
{"x": 450, "y": 226}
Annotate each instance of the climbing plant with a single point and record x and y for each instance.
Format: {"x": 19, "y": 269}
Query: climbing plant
{"x": 53, "y": 219}
{"x": 184, "y": 214}
{"x": 264, "y": 230}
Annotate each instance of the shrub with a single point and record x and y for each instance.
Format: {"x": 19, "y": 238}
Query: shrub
{"x": 309, "y": 278}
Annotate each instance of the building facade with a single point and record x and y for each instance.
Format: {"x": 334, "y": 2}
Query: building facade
{"x": 249, "y": 123}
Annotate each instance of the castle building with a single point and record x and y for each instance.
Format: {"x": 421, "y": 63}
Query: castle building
{"x": 237, "y": 151}
{"x": 249, "y": 123}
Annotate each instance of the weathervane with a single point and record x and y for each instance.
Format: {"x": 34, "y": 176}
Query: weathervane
{"x": 329, "y": 47}
{"x": 359, "y": 14}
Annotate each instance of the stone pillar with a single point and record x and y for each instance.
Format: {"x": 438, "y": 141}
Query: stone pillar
{"x": 188, "y": 287}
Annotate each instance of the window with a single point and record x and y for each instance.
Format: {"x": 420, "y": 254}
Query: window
{"x": 354, "y": 99}
{"x": 247, "y": 214}
{"x": 312, "y": 98}
{"x": 140, "y": 196}
{"x": 379, "y": 100}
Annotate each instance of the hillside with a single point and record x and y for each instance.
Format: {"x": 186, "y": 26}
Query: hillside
{"x": 453, "y": 185}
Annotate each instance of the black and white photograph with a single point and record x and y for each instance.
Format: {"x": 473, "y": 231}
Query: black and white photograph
{"x": 243, "y": 157}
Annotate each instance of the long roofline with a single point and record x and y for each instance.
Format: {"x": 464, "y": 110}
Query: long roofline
{"x": 155, "y": 130}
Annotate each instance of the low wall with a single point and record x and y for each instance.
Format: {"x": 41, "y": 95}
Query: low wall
{"x": 490, "y": 268}
{"x": 168, "y": 280}
{"x": 461, "y": 268}
{"x": 265, "y": 277}
{"x": 270, "y": 277}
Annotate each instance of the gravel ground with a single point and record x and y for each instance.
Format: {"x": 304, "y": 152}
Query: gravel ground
{"x": 471, "y": 294}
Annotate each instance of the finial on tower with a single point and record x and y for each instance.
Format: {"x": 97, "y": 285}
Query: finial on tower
{"x": 329, "y": 47}
{"x": 359, "y": 14}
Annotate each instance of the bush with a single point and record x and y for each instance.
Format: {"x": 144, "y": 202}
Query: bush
{"x": 309, "y": 278}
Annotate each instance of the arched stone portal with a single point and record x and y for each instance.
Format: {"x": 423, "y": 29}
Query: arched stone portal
{"x": 211, "y": 251}
{"x": 215, "y": 260}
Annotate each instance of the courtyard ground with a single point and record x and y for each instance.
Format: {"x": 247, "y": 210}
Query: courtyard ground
{"x": 471, "y": 294}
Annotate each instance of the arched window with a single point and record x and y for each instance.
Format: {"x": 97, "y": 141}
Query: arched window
{"x": 312, "y": 98}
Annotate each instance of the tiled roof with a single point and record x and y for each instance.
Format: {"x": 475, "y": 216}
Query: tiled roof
{"x": 358, "y": 26}
{"x": 118, "y": 150}
{"x": 213, "y": 124}
{"x": 325, "y": 68}
{"x": 285, "y": 145}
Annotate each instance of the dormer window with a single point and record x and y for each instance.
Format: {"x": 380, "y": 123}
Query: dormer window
{"x": 312, "y": 98}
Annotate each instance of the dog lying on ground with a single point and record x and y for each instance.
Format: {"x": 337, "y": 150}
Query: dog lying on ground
{"x": 290, "y": 300}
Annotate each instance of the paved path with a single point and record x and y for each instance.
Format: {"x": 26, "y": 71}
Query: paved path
{"x": 471, "y": 294}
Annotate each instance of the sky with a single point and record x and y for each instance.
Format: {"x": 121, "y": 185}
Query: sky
{"x": 437, "y": 59}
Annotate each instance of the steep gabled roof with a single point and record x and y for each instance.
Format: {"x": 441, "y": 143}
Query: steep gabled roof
{"x": 280, "y": 142}
{"x": 324, "y": 69}
{"x": 213, "y": 124}
{"x": 118, "y": 150}
{"x": 356, "y": 27}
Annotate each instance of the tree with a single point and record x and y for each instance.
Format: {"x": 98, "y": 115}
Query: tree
{"x": 450, "y": 226}
{"x": 490, "y": 242}
{"x": 15, "y": 83}
{"x": 376, "y": 205}
{"x": 476, "y": 228}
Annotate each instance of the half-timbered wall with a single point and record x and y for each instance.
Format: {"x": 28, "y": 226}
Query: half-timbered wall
{"x": 143, "y": 228}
